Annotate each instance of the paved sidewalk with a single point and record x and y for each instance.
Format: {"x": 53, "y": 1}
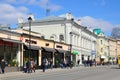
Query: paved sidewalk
{"x": 21, "y": 73}
{"x": 39, "y": 71}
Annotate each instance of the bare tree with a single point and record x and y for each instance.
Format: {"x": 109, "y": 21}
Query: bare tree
{"x": 115, "y": 33}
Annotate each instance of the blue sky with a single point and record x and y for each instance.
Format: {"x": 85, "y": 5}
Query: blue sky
{"x": 104, "y": 14}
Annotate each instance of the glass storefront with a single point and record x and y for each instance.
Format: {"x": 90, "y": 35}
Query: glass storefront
{"x": 59, "y": 58}
{"x": 33, "y": 55}
{"x": 8, "y": 51}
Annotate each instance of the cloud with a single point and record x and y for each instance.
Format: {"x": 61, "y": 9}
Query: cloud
{"x": 9, "y": 14}
{"x": 96, "y": 23}
{"x": 11, "y": 10}
{"x": 100, "y": 2}
{"x": 41, "y": 3}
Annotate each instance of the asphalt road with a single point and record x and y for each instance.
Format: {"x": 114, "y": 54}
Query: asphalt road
{"x": 77, "y": 73}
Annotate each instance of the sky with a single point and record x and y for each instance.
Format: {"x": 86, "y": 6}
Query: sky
{"x": 103, "y": 14}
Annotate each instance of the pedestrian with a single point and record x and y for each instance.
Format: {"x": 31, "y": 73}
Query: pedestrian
{"x": 32, "y": 65}
{"x": 28, "y": 66}
{"x": 51, "y": 64}
{"x": 91, "y": 63}
{"x": 78, "y": 62}
{"x": 85, "y": 63}
{"x": 44, "y": 64}
{"x": 2, "y": 65}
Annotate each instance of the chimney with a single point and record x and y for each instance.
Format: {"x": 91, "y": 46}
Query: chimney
{"x": 20, "y": 20}
{"x": 68, "y": 16}
{"x": 78, "y": 21}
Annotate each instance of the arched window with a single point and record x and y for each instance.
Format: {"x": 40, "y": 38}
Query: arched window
{"x": 43, "y": 37}
{"x": 61, "y": 37}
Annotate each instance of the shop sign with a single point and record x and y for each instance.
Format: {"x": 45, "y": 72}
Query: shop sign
{"x": 21, "y": 38}
{"x": 58, "y": 46}
{"x": 31, "y": 41}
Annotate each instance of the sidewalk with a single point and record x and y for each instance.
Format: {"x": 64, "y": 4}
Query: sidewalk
{"x": 39, "y": 71}
{"x": 21, "y": 73}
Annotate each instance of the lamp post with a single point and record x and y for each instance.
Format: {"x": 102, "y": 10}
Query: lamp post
{"x": 29, "y": 22}
{"x": 71, "y": 59}
{"x": 70, "y": 46}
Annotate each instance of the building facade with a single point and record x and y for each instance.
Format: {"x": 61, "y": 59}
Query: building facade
{"x": 14, "y": 49}
{"x": 69, "y": 31}
{"x": 103, "y": 49}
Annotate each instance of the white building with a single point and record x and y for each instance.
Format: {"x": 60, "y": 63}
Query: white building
{"x": 67, "y": 30}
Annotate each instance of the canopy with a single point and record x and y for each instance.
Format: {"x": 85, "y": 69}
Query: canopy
{"x": 75, "y": 52}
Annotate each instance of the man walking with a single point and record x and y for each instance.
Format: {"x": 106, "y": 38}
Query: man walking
{"x": 2, "y": 65}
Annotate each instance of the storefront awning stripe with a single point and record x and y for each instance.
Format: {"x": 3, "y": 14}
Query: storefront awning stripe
{"x": 48, "y": 49}
{"x": 61, "y": 51}
{"x": 75, "y": 52}
{"x": 32, "y": 47}
{"x": 11, "y": 40}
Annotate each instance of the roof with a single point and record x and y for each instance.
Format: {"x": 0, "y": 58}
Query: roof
{"x": 50, "y": 18}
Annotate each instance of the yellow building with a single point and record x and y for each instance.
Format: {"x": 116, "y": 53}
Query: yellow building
{"x": 102, "y": 54}
{"x": 118, "y": 47}
{"x": 112, "y": 49}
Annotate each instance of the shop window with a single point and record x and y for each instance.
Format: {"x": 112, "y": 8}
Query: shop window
{"x": 8, "y": 51}
{"x": 1, "y": 52}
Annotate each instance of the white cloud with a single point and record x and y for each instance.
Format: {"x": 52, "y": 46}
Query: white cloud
{"x": 41, "y": 3}
{"x": 10, "y": 10}
{"x": 96, "y": 23}
{"x": 100, "y": 2}
{"x": 9, "y": 14}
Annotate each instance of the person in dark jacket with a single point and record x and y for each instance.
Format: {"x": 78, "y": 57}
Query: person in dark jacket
{"x": 28, "y": 66}
{"x": 2, "y": 65}
{"x": 44, "y": 64}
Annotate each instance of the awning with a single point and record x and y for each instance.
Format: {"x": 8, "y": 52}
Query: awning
{"x": 11, "y": 40}
{"x": 75, "y": 52}
{"x": 48, "y": 49}
{"x": 61, "y": 51}
{"x": 32, "y": 47}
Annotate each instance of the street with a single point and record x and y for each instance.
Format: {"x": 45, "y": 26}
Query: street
{"x": 77, "y": 73}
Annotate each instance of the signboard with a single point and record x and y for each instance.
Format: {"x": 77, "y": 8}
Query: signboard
{"x": 92, "y": 52}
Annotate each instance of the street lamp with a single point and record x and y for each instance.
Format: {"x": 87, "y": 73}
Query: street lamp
{"x": 71, "y": 63}
{"x": 70, "y": 46}
{"x": 29, "y": 21}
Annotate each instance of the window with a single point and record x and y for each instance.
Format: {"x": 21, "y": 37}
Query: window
{"x": 101, "y": 42}
{"x": 101, "y": 49}
{"x": 43, "y": 37}
{"x": 8, "y": 51}
{"x": 61, "y": 37}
